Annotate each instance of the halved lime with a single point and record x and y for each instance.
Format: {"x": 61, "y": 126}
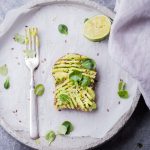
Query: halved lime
{"x": 97, "y": 28}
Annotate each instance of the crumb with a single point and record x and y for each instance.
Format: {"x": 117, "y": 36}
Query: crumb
{"x": 12, "y": 49}
{"x": 18, "y": 63}
{"x": 44, "y": 59}
{"x": 97, "y": 54}
{"x": 140, "y": 145}
{"x": 20, "y": 121}
{"x": 119, "y": 102}
{"x": 65, "y": 41}
{"x": 107, "y": 110}
{"x": 26, "y": 26}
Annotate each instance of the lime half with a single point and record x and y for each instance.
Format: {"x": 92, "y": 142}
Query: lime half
{"x": 97, "y": 28}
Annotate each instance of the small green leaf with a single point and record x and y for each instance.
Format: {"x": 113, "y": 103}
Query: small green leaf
{"x": 86, "y": 19}
{"x": 3, "y": 70}
{"x": 69, "y": 126}
{"x": 89, "y": 64}
{"x": 20, "y": 38}
{"x": 121, "y": 85}
{"x": 50, "y": 136}
{"x": 123, "y": 94}
{"x": 64, "y": 98}
{"x": 39, "y": 90}
{"x": 29, "y": 53}
{"x": 63, "y": 29}
{"x": 76, "y": 76}
{"x": 62, "y": 130}
{"x": 6, "y": 84}
{"x": 85, "y": 81}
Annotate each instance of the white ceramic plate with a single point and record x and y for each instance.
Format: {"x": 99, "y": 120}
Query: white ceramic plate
{"x": 96, "y": 127}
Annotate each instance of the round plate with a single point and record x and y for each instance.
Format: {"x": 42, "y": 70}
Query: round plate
{"x": 96, "y": 127}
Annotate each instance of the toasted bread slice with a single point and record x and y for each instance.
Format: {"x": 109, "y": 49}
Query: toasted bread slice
{"x": 74, "y": 76}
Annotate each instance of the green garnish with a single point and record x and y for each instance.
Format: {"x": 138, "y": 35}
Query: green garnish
{"x": 85, "y": 81}
{"x": 7, "y": 84}
{"x": 3, "y": 70}
{"x": 64, "y": 98}
{"x": 20, "y": 38}
{"x": 86, "y": 19}
{"x": 76, "y": 76}
{"x": 65, "y": 128}
{"x": 62, "y": 130}
{"x": 122, "y": 92}
{"x": 69, "y": 126}
{"x": 89, "y": 64}
{"x": 29, "y": 53}
{"x": 39, "y": 90}
{"x": 50, "y": 136}
{"x": 63, "y": 29}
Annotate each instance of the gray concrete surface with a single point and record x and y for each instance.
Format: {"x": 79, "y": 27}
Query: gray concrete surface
{"x": 134, "y": 136}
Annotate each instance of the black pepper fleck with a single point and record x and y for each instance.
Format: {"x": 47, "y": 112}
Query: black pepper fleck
{"x": 97, "y": 54}
{"x": 119, "y": 102}
{"x": 140, "y": 145}
{"x": 12, "y": 49}
{"x": 107, "y": 110}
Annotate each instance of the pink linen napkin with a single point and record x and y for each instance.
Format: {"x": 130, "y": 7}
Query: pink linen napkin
{"x": 129, "y": 43}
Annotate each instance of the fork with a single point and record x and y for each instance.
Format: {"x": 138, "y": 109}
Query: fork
{"x": 32, "y": 64}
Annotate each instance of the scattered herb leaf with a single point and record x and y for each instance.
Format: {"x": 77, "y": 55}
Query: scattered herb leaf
{"x": 62, "y": 130}
{"x": 7, "y": 84}
{"x": 29, "y": 53}
{"x": 19, "y": 38}
{"x": 89, "y": 64}
{"x": 86, "y": 19}
{"x": 39, "y": 90}
{"x": 69, "y": 126}
{"x": 122, "y": 92}
{"x": 3, "y": 70}
{"x": 76, "y": 76}
{"x": 63, "y": 29}
{"x": 85, "y": 81}
{"x": 50, "y": 136}
{"x": 64, "y": 98}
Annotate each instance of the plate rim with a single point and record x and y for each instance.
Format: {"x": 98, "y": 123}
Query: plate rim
{"x": 28, "y": 7}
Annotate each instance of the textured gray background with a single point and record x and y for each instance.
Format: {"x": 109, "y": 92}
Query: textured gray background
{"x": 134, "y": 136}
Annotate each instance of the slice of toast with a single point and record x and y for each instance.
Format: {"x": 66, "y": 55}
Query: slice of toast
{"x": 74, "y": 76}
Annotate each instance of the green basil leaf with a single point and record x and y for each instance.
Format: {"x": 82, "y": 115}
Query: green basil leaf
{"x": 63, "y": 29}
{"x": 89, "y": 64}
{"x": 86, "y": 81}
{"x": 62, "y": 130}
{"x": 50, "y": 136}
{"x": 39, "y": 90}
{"x": 7, "y": 84}
{"x": 86, "y": 19}
{"x": 20, "y": 38}
{"x": 29, "y": 53}
{"x": 123, "y": 94}
{"x": 64, "y": 98}
{"x": 76, "y": 76}
{"x": 3, "y": 70}
{"x": 69, "y": 126}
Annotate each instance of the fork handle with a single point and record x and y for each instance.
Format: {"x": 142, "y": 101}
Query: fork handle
{"x": 34, "y": 133}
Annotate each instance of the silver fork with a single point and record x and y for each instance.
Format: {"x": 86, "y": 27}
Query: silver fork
{"x": 32, "y": 64}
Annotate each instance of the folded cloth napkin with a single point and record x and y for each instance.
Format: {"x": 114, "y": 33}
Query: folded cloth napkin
{"x": 129, "y": 43}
